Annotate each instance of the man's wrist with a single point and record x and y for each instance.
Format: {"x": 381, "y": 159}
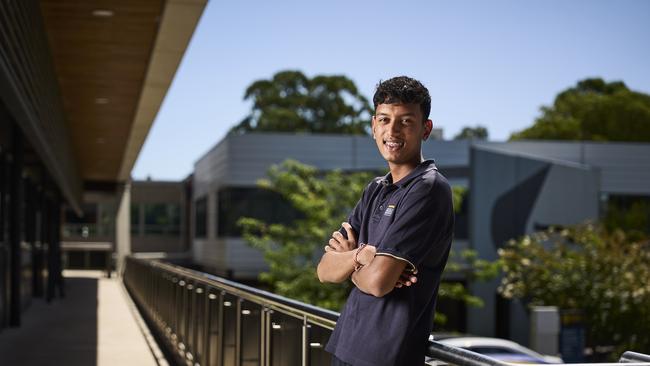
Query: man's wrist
{"x": 357, "y": 264}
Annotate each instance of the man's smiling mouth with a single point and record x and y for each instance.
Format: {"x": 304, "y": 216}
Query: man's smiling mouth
{"x": 393, "y": 145}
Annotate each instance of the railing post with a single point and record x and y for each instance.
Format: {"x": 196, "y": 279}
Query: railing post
{"x": 220, "y": 339}
{"x": 238, "y": 333}
{"x": 174, "y": 306}
{"x": 207, "y": 330}
{"x": 190, "y": 349}
{"x": 265, "y": 337}
{"x": 305, "y": 341}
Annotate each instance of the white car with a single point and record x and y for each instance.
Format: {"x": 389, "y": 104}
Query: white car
{"x": 500, "y": 349}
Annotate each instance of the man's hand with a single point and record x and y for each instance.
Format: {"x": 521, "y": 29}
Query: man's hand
{"x": 366, "y": 254}
{"x": 339, "y": 243}
{"x": 407, "y": 278}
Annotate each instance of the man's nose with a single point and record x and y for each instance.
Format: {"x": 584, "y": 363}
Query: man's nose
{"x": 395, "y": 126}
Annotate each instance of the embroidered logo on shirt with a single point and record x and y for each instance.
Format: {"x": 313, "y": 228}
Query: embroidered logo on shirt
{"x": 389, "y": 210}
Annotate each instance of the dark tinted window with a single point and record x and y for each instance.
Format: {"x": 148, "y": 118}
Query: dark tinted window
{"x": 162, "y": 218}
{"x": 135, "y": 218}
{"x": 201, "y": 217}
{"x": 257, "y": 203}
{"x": 89, "y": 215}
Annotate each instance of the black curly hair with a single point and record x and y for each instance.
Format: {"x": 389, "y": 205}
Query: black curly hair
{"x": 403, "y": 90}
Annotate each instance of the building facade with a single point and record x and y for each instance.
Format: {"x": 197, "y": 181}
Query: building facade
{"x": 514, "y": 188}
{"x": 80, "y": 85}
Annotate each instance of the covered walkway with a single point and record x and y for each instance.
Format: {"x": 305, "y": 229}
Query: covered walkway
{"x": 95, "y": 324}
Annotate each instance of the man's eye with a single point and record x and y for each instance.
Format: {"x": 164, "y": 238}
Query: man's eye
{"x": 406, "y": 121}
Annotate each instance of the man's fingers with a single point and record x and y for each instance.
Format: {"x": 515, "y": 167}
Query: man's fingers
{"x": 338, "y": 236}
{"x": 348, "y": 228}
{"x": 406, "y": 280}
{"x": 335, "y": 244}
{"x": 328, "y": 248}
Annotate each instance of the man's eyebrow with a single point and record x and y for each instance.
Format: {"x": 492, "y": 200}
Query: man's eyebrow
{"x": 409, "y": 114}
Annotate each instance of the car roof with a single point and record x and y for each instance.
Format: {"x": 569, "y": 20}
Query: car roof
{"x": 467, "y": 342}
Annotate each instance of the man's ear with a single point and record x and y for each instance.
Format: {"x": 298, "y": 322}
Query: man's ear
{"x": 428, "y": 126}
{"x": 372, "y": 126}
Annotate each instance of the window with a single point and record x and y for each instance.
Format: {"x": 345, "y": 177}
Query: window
{"x": 263, "y": 204}
{"x": 135, "y": 218}
{"x": 97, "y": 221}
{"x": 162, "y": 219}
{"x": 200, "y": 217}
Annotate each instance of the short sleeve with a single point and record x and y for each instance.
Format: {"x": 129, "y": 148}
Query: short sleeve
{"x": 356, "y": 216}
{"x": 421, "y": 231}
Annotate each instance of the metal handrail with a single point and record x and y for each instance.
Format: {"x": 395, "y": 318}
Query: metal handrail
{"x": 156, "y": 278}
{"x": 297, "y": 309}
{"x": 460, "y": 356}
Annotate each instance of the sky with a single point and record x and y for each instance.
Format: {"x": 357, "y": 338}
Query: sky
{"x": 490, "y": 63}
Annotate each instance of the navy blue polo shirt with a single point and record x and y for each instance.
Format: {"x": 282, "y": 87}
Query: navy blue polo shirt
{"x": 411, "y": 220}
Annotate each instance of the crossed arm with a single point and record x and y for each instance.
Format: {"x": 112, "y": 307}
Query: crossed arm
{"x": 379, "y": 274}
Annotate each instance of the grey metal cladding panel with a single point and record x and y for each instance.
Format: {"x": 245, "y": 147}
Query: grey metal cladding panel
{"x": 210, "y": 169}
{"x": 625, "y": 167}
{"x": 447, "y": 153}
{"x": 506, "y": 183}
{"x": 240, "y": 256}
{"x": 251, "y": 155}
{"x": 367, "y": 155}
{"x": 549, "y": 149}
{"x": 569, "y": 196}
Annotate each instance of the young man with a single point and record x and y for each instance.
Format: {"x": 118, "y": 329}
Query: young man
{"x": 404, "y": 226}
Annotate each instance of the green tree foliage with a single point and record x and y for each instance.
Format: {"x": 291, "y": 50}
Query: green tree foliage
{"x": 593, "y": 110}
{"x": 604, "y": 274}
{"x": 472, "y": 133}
{"x": 293, "y": 251}
{"x": 628, "y": 213}
{"x": 323, "y": 202}
{"x": 292, "y": 102}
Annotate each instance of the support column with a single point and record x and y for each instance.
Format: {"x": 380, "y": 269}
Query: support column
{"x": 5, "y": 252}
{"x": 15, "y": 225}
{"x": 123, "y": 226}
{"x": 51, "y": 228}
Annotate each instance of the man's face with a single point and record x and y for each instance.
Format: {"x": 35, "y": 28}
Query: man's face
{"x": 398, "y": 130}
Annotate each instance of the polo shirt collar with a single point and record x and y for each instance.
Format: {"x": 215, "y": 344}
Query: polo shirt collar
{"x": 418, "y": 171}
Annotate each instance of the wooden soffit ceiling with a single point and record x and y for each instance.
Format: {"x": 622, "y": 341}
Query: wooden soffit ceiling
{"x": 115, "y": 61}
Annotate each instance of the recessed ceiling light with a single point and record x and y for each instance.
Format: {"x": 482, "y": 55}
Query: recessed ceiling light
{"x": 101, "y": 100}
{"x": 103, "y": 13}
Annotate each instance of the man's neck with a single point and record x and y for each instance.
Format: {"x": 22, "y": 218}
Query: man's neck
{"x": 399, "y": 171}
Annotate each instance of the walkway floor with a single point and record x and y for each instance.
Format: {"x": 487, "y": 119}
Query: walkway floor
{"x": 95, "y": 324}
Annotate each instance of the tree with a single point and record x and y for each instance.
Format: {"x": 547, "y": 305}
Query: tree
{"x": 602, "y": 273}
{"x": 593, "y": 110}
{"x": 292, "y": 102}
{"x": 472, "y": 133}
{"x": 323, "y": 202}
{"x": 292, "y": 251}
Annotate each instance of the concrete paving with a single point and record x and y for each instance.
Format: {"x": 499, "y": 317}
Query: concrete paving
{"x": 95, "y": 324}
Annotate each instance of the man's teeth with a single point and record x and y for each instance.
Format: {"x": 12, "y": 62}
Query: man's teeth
{"x": 394, "y": 145}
